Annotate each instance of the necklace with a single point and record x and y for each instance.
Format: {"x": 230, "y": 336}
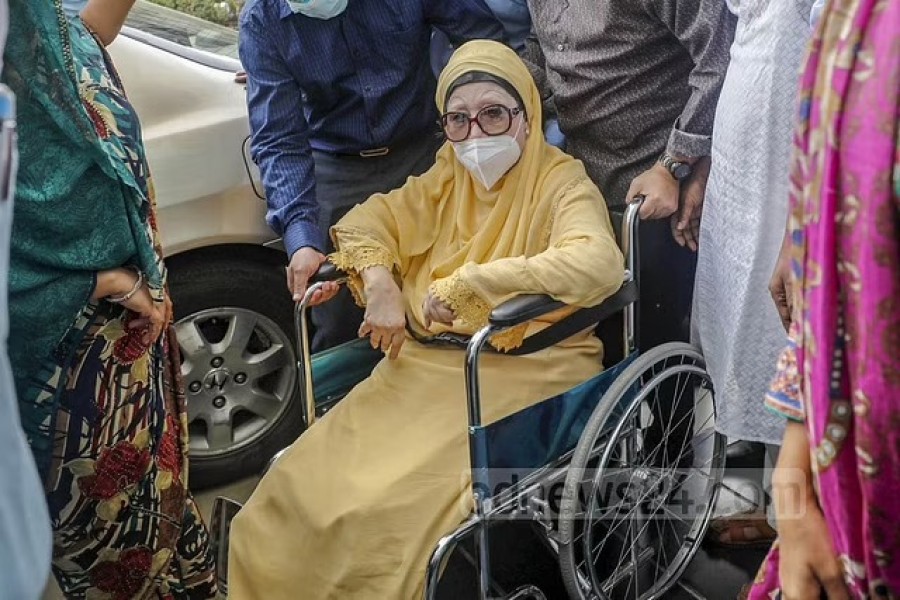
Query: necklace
{"x": 63, "y": 24}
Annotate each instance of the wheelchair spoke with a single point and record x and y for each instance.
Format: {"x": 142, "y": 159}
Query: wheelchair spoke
{"x": 629, "y": 516}
{"x": 676, "y": 401}
{"x": 687, "y": 416}
{"x": 598, "y": 549}
{"x": 672, "y": 514}
{"x": 633, "y": 547}
{"x": 662, "y": 546}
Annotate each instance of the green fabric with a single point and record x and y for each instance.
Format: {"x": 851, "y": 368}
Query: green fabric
{"x": 78, "y": 209}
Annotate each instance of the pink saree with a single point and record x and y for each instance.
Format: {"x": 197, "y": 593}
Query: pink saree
{"x": 841, "y": 371}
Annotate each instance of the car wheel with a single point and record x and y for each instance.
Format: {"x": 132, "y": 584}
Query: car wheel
{"x": 233, "y": 319}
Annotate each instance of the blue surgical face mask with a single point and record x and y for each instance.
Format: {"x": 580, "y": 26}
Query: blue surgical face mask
{"x": 318, "y": 9}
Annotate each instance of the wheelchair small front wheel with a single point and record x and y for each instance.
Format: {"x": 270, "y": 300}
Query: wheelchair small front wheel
{"x": 643, "y": 480}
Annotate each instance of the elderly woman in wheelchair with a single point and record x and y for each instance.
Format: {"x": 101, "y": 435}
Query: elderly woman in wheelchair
{"x": 356, "y": 506}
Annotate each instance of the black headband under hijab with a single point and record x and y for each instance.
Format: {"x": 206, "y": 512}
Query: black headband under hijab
{"x": 476, "y": 76}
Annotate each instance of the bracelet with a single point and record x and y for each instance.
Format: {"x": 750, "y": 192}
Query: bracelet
{"x": 137, "y": 286}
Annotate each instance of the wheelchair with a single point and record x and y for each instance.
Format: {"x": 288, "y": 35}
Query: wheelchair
{"x": 619, "y": 475}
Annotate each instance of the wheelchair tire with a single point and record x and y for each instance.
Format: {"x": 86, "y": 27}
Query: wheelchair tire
{"x": 603, "y": 552}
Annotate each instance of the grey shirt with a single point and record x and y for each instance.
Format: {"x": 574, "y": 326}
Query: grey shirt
{"x": 630, "y": 79}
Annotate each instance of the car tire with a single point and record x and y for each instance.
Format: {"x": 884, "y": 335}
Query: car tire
{"x": 234, "y": 320}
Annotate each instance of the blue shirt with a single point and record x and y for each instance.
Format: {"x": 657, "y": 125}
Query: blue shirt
{"x": 516, "y": 20}
{"x": 359, "y": 81}
{"x": 73, "y": 8}
{"x": 513, "y": 16}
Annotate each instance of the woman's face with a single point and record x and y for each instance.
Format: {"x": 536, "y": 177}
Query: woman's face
{"x": 472, "y": 98}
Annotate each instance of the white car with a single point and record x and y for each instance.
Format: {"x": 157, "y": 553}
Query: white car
{"x": 226, "y": 272}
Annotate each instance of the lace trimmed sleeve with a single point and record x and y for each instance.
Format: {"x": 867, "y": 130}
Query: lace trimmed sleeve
{"x": 357, "y": 251}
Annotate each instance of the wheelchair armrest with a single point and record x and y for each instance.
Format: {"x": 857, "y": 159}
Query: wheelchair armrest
{"x": 627, "y": 294}
{"x": 523, "y": 308}
{"x": 327, "y": 272}
{"x": 578, "y": 320}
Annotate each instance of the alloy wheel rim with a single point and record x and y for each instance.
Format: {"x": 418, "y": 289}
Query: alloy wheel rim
{"x": 239, "y": 375}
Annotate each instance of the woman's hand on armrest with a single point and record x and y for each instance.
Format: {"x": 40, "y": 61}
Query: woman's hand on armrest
{"x": 385, "y": 319}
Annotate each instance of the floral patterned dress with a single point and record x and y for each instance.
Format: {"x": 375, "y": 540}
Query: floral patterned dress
{"x": 108, "y": 408}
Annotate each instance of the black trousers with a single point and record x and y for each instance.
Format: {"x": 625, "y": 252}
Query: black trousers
{"x": 666, "y": 280}
{"x": 342, "y": 182}
{"x": 666, "y": 292}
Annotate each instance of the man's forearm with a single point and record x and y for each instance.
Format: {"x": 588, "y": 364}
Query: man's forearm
{"x": 705, "y": 29}
{"x": 288, "y": 175}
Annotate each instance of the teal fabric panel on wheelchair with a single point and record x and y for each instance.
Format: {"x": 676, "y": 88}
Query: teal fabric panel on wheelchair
{"x": 537, "y": 436}
{"x": 337, "y": 370}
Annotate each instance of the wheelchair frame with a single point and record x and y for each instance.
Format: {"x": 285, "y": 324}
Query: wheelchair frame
{"x": 488, "y": 508}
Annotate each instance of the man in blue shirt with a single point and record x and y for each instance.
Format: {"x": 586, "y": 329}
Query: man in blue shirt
{"x": 341, "y": 100}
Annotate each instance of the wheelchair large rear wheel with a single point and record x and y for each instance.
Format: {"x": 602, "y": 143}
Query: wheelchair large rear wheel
{"x": 643, "y": 480}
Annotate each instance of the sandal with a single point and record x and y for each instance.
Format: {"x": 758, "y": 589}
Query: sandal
{"x": 741, "y": 532}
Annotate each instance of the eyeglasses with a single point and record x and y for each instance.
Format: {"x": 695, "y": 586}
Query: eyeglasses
{"x": 495, "y": 119}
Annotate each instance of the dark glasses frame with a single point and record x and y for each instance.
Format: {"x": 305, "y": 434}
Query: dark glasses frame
{"x": 512, "y": 113}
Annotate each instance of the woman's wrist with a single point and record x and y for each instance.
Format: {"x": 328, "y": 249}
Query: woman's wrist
{"x": 793, "y": 494}
{"x": 114, "y": 282}
{"x": 792, "y": 482}
{"x": 377, "y": 277}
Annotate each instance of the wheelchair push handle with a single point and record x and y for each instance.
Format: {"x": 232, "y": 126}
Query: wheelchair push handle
{"x": 327, "y": 272}
{"x": 628, "y": 236}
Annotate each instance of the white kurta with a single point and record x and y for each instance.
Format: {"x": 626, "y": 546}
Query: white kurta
{"x": 735, "y": 322}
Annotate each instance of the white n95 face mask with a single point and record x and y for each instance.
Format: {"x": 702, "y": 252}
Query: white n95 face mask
{"x": 488, "y": 159}
{"x": 318, "y": 9}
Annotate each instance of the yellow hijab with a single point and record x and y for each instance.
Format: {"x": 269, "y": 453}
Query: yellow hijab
{"x": 444, "y": 219}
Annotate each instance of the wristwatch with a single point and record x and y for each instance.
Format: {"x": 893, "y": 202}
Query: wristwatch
{"x": 679, "y": 170}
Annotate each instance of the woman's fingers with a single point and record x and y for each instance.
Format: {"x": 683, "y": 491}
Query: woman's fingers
{"x": 798, "y": 585}
{"x": 396, "y": 343}
{"x": 387, "y": 339}
{"x": 832, "y": 580}
{"x": 426, "y": 311}
{"x": 158, "y": 321}
{"x": 445, "y": 315}
{"x": 364, "y": 329}
{"x": 170, "y": 310}
{"x": 375, "y": 338}
{"x": 436, "y": 311}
